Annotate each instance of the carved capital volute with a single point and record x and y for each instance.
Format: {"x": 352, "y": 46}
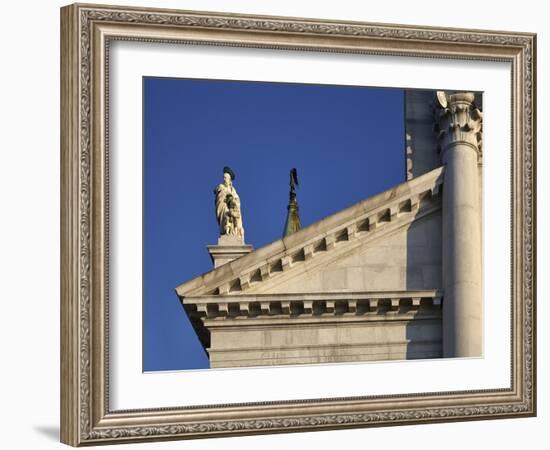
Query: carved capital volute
{"x": 458, "y": 123}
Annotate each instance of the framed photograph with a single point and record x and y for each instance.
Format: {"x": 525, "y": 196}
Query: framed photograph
{"x": 275, "y": 224}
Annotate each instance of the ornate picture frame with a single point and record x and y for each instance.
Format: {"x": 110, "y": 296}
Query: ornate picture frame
{"x": 87, "y": 31}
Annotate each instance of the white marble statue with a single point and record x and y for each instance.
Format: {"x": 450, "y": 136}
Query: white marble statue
{"x": 228, "y": 206}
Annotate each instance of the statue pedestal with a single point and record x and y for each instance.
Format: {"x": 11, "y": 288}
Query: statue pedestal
{"x": 229, "y": 248}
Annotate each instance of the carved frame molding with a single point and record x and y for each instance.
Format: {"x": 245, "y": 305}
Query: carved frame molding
{"x": 86, "y": 31}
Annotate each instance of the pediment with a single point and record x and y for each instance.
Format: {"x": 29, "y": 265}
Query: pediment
{"x": 382, "y": 223}
{"x": 404, "y": 257}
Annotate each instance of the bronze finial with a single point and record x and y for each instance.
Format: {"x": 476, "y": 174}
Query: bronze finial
{"x": 292, "y": 223}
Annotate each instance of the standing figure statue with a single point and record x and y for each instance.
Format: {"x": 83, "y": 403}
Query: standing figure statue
{"x": 228, "y": 206}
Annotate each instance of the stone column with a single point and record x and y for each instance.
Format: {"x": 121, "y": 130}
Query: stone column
{"x": 459, "y": 125}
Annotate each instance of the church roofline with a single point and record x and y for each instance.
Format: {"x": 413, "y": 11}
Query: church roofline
{"x": 267, "y": 310}
{"x": 279, "y": 256}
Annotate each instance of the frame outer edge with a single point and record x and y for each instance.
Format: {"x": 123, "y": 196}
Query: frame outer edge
{"x": 82, "y": 414}
{"x": 534, "y": 218}
{"x": 69, "y": 312}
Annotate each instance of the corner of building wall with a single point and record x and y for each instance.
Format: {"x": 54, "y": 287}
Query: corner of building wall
{"x": 421, "y": 154}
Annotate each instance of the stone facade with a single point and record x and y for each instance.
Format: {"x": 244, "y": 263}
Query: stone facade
{"x": 264, "y": 329}
{"x": 396, "y": 276}
{"x": 409, "y": 258}
{"x": 421, "y": 141}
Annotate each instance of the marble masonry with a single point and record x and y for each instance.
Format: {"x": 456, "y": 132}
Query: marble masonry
{"x": 395, "y": 276}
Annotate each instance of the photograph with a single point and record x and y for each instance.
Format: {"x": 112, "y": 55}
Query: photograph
{"x": 276, "y": 224}
{"x": 307, "y": 223}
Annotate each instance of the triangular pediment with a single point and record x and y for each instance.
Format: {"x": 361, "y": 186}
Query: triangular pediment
{"x": 404, "y": 257}
{"x": 402, "y": 222}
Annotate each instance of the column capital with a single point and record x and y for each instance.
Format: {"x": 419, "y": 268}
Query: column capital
{"x": 458, "y": 122}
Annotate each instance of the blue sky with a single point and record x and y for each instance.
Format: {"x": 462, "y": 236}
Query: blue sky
{"x": 347, "y": 143}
